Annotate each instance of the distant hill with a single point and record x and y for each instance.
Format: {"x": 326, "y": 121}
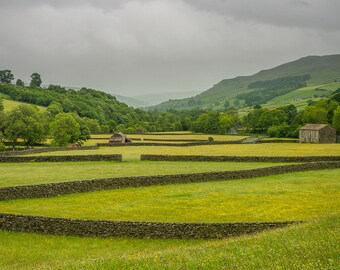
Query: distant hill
{"x": 322, "y": 70}
{"x": 153, "y": 99}
{"x": 134, "y": 102}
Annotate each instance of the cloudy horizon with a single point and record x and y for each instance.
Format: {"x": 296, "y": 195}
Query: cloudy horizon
{"x": 136, "y": 47}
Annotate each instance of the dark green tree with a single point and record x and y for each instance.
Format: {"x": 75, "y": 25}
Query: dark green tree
{"x": 19, "y": 82}
{"x": 226, "y": 104}
{"x": 36, "y": 80}
{"x": 64, "y": 129}
{"x": 24, "y": 122}
{"x": 6, "y": 76}
{"x": 336, "y": 119}
{"x": 315, "y": 115}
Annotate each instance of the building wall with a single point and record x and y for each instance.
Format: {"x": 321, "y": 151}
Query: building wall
{"x": 325, "y": 135}
{"x": 309, "y": 136}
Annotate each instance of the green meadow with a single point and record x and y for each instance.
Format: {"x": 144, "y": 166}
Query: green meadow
{"x": 266, "y": 149}
{"x": 310, "y": 246}
{"x": 313, "y": 197}
{"x": 295, "y": 196}
{"x": 13, "y": 174}
{"x": 11, "y": 104}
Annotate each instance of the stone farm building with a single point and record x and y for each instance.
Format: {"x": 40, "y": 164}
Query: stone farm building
{"x": 317, "y": 133}
{"x": 119, "y": 138}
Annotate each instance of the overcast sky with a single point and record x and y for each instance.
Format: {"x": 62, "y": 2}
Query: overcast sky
{"x": 132, "y": 47}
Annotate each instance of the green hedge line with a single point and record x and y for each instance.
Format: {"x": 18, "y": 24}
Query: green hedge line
{"x": 239, "y": 158}
{"x": 56, "y": 189}
{"x": 103, "y": 228}
{"x": 71, "y": 158}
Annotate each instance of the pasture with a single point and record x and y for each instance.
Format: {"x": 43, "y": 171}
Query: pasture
{"x": 296, "y": 196}
{"x": 10, "y": 105}
{"x": 267, "y": 149}
{"x": 308, "y": 196}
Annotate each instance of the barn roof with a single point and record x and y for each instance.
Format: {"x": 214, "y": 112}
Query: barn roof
{"x": 313, "y": 126}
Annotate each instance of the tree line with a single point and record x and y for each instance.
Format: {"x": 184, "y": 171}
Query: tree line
{"x": 286, "y": 121}
{"x": 89, "y": 111}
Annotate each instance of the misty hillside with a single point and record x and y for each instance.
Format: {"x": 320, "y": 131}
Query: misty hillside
{"x": 146, "y": 100}
{"x": 322, "y": 70}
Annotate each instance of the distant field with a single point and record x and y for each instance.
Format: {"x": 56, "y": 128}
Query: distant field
{"x": 13, "y": 174}
{"x": 294, "y": 196}
{"x": 184, "y": 136}
{"x": 268, "y": 149}
{"x": 298, "y": 98}
{"x": 306, "y": 93}
{"x": 10, "y": 104}
{"x": 310, "y": 246}
{"x": 92, "y": 142}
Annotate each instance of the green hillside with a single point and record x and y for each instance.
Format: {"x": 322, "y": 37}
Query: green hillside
{"x": 10, "y": 104}
{"x": 322, "y": 69}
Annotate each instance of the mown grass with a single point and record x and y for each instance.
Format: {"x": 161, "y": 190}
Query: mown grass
{"x": 294, "y": 196}
{"x": 313, "y": 245}
{"x": 12, "y": 174}
{"x": 267, "y": 149}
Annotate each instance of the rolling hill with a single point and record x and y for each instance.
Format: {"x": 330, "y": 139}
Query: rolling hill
{"x": 322, "y": 70}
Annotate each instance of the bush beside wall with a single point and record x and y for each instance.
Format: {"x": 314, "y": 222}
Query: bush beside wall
{"x": 103, "y": 228}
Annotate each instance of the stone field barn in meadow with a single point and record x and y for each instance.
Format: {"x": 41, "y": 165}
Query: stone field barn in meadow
{"x": 317, "y": 133}
{"x": 119, "y": 138}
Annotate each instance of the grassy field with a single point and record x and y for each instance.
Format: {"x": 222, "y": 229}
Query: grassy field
{"x": 295, "y": 196}
{"x": 306, "y": 93}
{"x": 12, "y": 174}
{"x": 10, "y": 104}
{"x": 267, "y": 149}
{"x": 312, "y": 196}
{"x": 176, "y": 136}
{"x": 309, "y": 246}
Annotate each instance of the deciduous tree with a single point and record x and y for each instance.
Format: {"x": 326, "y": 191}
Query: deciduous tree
{"x": 6, "y": 76}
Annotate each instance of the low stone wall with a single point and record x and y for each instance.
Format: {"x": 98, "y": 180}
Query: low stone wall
{"x": 171, "y": 144}
{"x": 278, "y": 141}
{"x": 103, "y": 228}
{"x": 239, "y": 158}
{"x": 45, "y": 150}
{"x": 56, "y": 189}
{"x": 72, "y": 158}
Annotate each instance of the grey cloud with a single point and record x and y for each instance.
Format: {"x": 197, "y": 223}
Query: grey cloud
{"x": 297, "y": 13}
{"x": 139, "y": 46}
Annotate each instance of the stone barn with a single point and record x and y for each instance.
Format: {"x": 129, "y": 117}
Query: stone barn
{"x": 119, "y": 138}
{"x": 317, "y": 133}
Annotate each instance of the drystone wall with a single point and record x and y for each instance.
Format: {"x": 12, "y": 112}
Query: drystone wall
{"x": 171, "y": 144}
{"x": 45, "y": 150}
{"x": 239, "y": 158}
{"x": 56, "y": 189}
{"x": 70, "y": 158}
{"x": 103, "y": 228}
